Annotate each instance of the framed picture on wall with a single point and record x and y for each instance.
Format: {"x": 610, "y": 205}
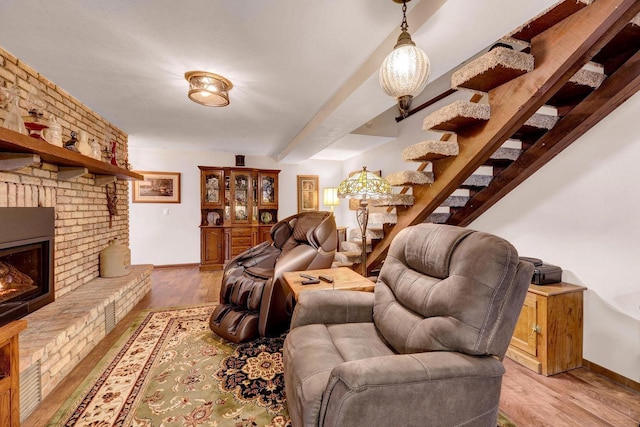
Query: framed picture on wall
{"x": 307, "y": 193}
{"x": 157, "y": 187}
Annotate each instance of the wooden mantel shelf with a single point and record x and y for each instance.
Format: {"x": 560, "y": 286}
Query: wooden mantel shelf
{"x": 14, "y": 142}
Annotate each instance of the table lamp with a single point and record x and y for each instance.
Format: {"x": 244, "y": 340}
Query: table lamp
{"x": 331, "y": 197}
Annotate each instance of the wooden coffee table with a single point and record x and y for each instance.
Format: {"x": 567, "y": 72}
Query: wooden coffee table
{"x": 343, "y": 279}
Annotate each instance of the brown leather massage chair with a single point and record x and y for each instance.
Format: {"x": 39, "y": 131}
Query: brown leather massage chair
{"x": 253, "y": 301}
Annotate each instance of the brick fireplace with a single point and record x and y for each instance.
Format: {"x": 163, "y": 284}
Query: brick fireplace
{"x": 61, "y": 333}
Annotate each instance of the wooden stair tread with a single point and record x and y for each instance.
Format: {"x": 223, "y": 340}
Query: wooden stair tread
{"x": 409, "y": 177}
{"x": 548, "y": 19}
{"x": 492, "y": 69}
{"x": 457, "y": 116}
{"x": 429, "y": 150}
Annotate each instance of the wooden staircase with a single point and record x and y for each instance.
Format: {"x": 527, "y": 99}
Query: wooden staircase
{"x": 493, "y": 142}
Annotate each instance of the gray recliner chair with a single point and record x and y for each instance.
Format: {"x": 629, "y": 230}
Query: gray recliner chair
{"x": 252, "y": 299}
{"x": 425, "y": 349}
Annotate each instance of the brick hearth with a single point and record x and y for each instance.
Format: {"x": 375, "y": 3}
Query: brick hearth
{"x": 61, "y": 334}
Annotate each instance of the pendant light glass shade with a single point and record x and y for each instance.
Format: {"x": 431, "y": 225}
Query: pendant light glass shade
{"x": 404, "y": 71}
{"x": 208, "y": 89}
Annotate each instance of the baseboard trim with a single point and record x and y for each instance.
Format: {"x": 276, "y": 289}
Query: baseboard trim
{"x": 176, "y": 265}
{"x": 593, "y": 367}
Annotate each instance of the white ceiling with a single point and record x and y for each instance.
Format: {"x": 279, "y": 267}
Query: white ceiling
{"x": 304, "y": 71}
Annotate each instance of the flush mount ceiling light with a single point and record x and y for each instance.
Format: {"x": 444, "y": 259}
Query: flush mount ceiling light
{"x": 405, "y": 70}
{"x": 208, "y": 89}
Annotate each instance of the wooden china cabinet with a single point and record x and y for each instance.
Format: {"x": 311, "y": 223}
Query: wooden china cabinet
{"x": 238, "y": 207}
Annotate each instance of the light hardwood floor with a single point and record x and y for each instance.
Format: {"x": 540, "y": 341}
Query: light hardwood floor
{"x": 575, "y": 398}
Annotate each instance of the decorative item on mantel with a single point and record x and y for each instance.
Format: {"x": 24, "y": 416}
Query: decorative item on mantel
{"x": 14, "y": 119}
{"x": 53, "y": 135}
{"x": 83, "y": 144}
{"x": 95, "y": 149}
{"x": 35, "y": 121}
{"x": 72, "y": 144}
{"x": 115, "y": 260}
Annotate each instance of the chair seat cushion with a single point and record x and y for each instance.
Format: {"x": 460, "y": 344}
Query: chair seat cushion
{"x": 313, "y": 351}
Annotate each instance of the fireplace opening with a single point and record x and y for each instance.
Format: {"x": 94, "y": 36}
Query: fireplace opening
{"x": 26, "y": 261}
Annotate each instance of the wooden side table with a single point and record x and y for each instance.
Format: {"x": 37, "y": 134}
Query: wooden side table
{"x": 10, "y": 374}
{"x": 343, "y": 279}
{"x": 548, "y": 336}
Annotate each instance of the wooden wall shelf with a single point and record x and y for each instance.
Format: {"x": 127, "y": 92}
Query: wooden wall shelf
{"x": 14, "y": 142}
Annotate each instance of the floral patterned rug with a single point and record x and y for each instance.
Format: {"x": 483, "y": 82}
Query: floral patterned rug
{"x": 171, "y": 370}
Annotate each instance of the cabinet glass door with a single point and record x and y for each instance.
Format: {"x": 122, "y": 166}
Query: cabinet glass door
{"x": 212, "y": 195}
{"x": 241, "y": 196}
{"x": 268, "y": 196}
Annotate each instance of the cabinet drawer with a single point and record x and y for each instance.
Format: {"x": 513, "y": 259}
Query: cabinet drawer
{"x": 245, "y": 232}
{"x": 237, "y": 250}
{"x": 241, "y": 241}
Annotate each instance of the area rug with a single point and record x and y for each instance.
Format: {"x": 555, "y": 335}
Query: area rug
{"x": 169, "y": 369}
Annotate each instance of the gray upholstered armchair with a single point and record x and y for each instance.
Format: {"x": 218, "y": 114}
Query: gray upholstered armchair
{"x": 252, "y": 299}
{"x": 425, "y": 348}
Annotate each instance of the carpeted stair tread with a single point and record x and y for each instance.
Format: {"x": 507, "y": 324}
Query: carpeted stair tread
{"x": 578, "y": 87}
{"x": 456, "y": 116}
{"x": 438, "y": 217}
{"x": 505, "y": 153}
{"x": 455, "y": 201}
{"x": 429, "y": 150}
{"x": 548, "y": 19}
{"x": 409, "y": 177}
{"x": 345, "y": 258}
{"x": 395, "y": 200}
{"x": 536, "y": 124}
{"x": 492, "y": 69}
{"x": 477, "y": 180}
{"x": 383, "y": 218}
{"x": 372, "y": 233}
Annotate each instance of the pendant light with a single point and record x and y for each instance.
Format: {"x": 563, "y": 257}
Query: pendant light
{"x": 405, "y": 70}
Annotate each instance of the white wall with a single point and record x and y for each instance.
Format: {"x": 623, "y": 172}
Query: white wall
{"x": 168, "y": 233}
{"x": 581, "y": 212}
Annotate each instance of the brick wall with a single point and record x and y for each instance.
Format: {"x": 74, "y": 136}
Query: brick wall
{"x": 82, "y": 218}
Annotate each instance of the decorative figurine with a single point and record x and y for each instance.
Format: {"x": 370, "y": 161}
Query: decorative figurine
{"x": 72, "y": 143}
{"x": 95, "y": 149}
{"x": 114, "y": 162}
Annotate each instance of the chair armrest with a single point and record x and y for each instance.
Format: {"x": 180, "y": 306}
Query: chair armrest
{"x": 449, "y": 388}
{"x": 329, "y": 306}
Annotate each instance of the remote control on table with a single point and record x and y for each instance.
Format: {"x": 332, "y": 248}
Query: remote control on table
{"x": 311, "y": 282}
{"x": 326, "y": 278}
{"x": 308, "y": 276}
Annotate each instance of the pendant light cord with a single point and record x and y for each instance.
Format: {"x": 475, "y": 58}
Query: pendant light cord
{"x": 404, "y": 26}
